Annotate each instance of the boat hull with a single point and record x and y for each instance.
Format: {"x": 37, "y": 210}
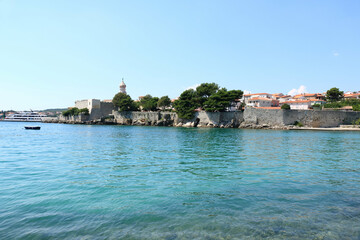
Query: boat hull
{"x": 18, "y": 120}
{"x": 33, "y": 128}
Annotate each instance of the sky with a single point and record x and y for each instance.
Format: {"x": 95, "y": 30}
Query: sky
{"x": 55, "y": 52}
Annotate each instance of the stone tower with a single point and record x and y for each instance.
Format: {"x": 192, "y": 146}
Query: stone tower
{"x": 122, "y": 86}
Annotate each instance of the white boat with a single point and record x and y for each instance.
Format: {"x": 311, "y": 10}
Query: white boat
{"x": 25, "y": 117}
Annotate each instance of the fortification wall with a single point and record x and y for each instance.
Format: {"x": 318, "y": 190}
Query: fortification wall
{"x": 215, "y": 119}
{"x": 82, "y": 118}
{"x": 106, "y": 108}
{"x": 318, "y": 118}
{"x": 249, "y": 118}
{"x": 270, "y": 117}
{"x": 145, "y": 118}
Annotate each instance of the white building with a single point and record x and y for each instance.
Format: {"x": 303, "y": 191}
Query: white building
{"x": 259, "y": 102}
{"x": 246, "y": 97}
{"x": 299, "y": 105}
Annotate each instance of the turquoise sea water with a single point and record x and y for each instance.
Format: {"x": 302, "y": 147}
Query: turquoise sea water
{"x": 126, "y": 182}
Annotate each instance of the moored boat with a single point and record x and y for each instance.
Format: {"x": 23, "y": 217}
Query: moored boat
{"x": 25, "y": 117}
{"x": 32, "y": 127}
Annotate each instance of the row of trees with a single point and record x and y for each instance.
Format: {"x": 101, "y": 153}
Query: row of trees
{"x": 147, "y": 103}
{"x": 207, "y": 96}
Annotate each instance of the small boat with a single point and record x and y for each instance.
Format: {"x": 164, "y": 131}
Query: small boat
{"x": 32, "y": 128}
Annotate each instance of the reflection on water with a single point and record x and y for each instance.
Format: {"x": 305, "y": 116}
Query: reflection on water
{"x": 111, "y": 182}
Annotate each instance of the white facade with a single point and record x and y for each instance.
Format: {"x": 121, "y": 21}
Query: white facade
{"x": 259, "y": 102}
{"x": 89, "y": 104}
{"x": 246, "y": 97}
{"x": 299, "y": 105}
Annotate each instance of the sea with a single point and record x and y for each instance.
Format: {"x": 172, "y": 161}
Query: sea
{"x": 135, "y": 182}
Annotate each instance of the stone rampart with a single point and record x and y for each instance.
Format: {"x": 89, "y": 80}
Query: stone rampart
{"x": 145, "y": 118}
{"x": 318, "y": 118}
{"x": 263, "y": 117}
{"x": 106, "y": 109}
{"x": 249, "y": 118}
{"x": 81, "y": 118}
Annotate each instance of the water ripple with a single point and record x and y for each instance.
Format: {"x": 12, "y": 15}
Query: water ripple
{"x": 112, "y": 182}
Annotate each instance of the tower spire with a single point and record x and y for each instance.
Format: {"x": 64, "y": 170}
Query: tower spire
{"x": 122, "y": 86}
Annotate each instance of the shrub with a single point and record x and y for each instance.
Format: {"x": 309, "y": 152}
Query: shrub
{"x": 356, "y": 107}
{"x": 84, "y": 111}
{"x": 298, "y": 124}
{"x": 357, "y": 122}
{"x": 75, "y": 111}
{"x": 355, "y": 103}
{"x": 285, "y": 106}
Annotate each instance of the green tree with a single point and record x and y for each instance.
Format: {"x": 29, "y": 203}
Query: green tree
{"x": 75, "y": 111}
{"x": 84, "y": 111}
{"x": 221, "y": 100}
{"x": 164, "y": 102}
{"x": 285, "y": 106}
{"x": 149, "y": 103}
{"x": 204, "y": 91}
{"x": 124, "y": 102}
{"x": 186, "y": 104}
{"x": 334, "y": 95}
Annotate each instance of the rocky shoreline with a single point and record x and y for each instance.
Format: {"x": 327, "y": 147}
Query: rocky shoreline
{"x": 250, "y": 118}
{"x": 165, "y": 123}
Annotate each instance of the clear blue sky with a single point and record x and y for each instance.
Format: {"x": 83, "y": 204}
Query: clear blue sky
{"x": 55, "y": 52}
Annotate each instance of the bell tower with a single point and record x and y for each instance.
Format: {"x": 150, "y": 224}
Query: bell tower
{"x": 122, "y": 86}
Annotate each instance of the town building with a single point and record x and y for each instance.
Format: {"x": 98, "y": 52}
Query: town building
{"x": 308, "y": 96}
{"x": 352, "y": 96}
{"x": 247, "y": 97}
{"x": 259, "y": 102}
{"x": 303, "y": 104}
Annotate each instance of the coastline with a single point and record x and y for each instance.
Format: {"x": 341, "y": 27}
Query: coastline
{"x": 248, "y": 119}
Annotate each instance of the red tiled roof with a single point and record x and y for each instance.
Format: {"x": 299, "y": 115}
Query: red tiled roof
{"x": 256, "y": 94}
{"x": 259, "y": 98}
{"x": 300, "y": 101}
{"x": 352, "y": 95}
{"x": 269, "y": 107}
{"x": 316, "y": 100}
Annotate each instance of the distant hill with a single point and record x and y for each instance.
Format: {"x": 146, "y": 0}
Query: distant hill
{"x": 54, "y": 110}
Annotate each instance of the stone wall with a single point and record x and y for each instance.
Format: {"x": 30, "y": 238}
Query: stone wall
{"x": 81, "y": 118}
{"x": 318, "y": 118}
{"x": 263, "y": 117}
{"x": 249, "y": 118}
{"x": 145, "y": 118}
{"x": 106, "y": 109}
{"x": 309, "y": 118}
